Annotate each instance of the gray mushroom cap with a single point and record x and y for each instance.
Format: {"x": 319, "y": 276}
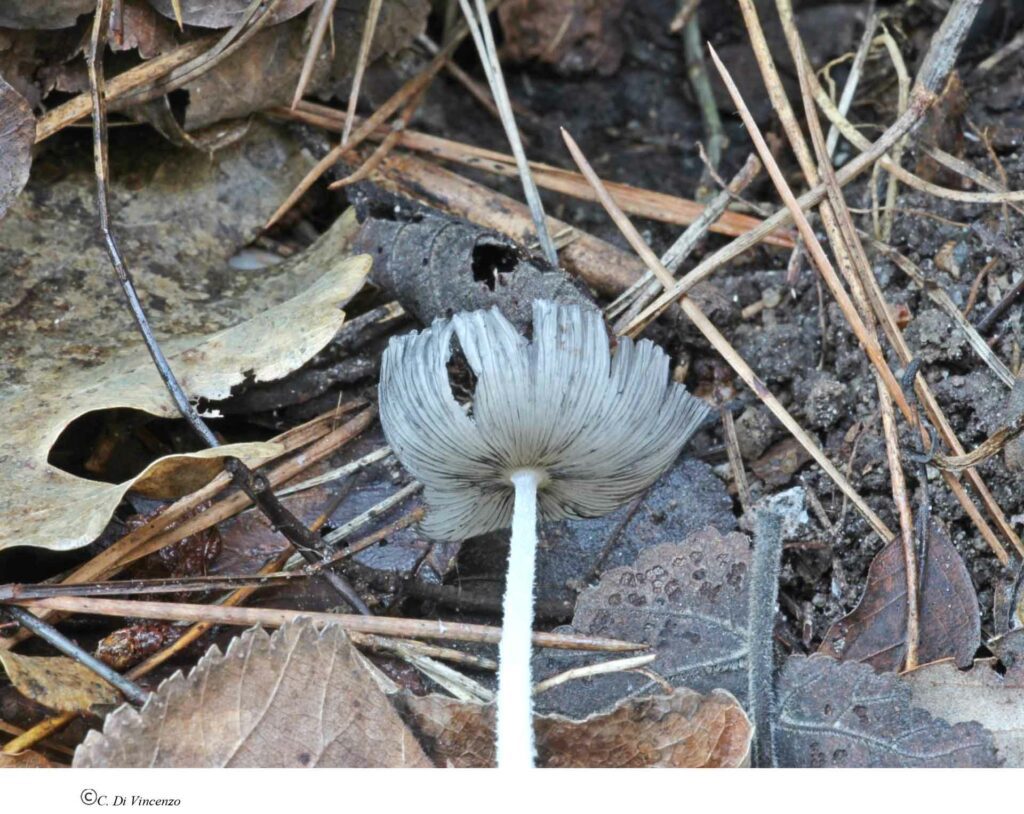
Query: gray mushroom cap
{"x": 599, "y": 428}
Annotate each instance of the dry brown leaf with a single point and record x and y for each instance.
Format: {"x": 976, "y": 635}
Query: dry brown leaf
{"x": 297, "y": 698}
{"x": 875, "y": 631}
{"x": 41, "y": 505}
{"x": 57, "y": 682}
{"x": 980, "y": 694}
{"x": 17, "y": 135}
{"x": 681, "y": 730}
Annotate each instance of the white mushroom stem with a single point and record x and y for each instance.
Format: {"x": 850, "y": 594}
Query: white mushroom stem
{"x": 515, "y": 689}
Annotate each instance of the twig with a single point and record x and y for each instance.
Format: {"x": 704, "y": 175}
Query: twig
{"x": 161, "y": 531}
{"x": 480, "y": 29}
{"x": 129, "y": 689}
{"x": 128, "y": 587}
{"x": 867, "y": 338}
{"x": 372, "y": 14}
{"x": 308, "y": 545}
{"x": 340, "y": 472}
{"x": 940, "y": 57}
{"x": 722, "y": 345}
{"x": 379, "y": 116}
{"x": 313, "y": 51}
{"x": 996, "y": 312}
{"x": 273, "y": 617}
{"x": 372, "y": 539}
{"x": 94, "y": 61}
{"x": 637, "y": 296}
{"x": 599, "y": 669}
{"x": 635, "y": 200}
{"x": 765, "y": 567}
{"x": 697, "y": 73}
{"x": 853, "y": 78}
{"x": 687, "y": 8}
{"x": 732, "y": 448}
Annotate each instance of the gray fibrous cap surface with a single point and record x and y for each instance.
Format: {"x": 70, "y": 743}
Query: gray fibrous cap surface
{"x": 600, "y": 428}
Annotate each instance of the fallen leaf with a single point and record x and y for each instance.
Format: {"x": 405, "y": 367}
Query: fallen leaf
{"x": 46, "y": 14}
{"x": 950, "y": 618}
{"x": 181, "y": 215}
{"x": 41, "y": 505}
{"x": 688, "y": 498}
{"x": 225, "y": 13}
{"x": 25, "y": 760}
{"x": 297, "y": 698}
{"x": 573, "y": 36}
{"x": 843, "y": 714}
{"x": 980, "y": 694}
{"x": 688, "y": 601}
{"x": 261, "y": 74}
{"x": 681, "y": 730}
{"x": 17, "y": 136}
{"x": 144, "y": 30}
{"x": 57, "y": 682}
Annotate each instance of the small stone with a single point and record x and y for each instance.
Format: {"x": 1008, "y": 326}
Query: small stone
{"x": 755, "y": 431}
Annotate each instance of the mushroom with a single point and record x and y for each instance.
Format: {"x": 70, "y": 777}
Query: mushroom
{"x": 557, "y": 426}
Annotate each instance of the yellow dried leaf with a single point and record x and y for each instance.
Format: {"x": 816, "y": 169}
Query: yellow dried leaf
{"x": 57, "y": 682}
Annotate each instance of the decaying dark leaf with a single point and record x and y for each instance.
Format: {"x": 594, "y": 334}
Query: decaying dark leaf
{"x": 57, "y": 682}
{"x": 297, "y": 698}
{"x": 225, "y": 13}
{"x": 572, "y": 36}
{"x": 950, "y": 619}
{"x": 17, "y": 135}
{"x": 687, "y": 600}
{"x": 681, "y": 730}
{"x": 44, "y": 14}
{"x": 437, "y": 265}
{"x": 685, "y": 500}
{"x": 844, "y": 714}
{"x": 980, "y": 694}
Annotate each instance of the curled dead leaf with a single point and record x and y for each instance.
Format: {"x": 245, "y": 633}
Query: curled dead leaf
{"x": 57, "y": 682}
{"x": 681, "y": 730}
{"x": 41, "y": 505}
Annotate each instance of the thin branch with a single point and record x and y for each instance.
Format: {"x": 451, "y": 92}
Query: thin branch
{"x": 480, "y": 29}
{"x": 313, "y": 51}
{"x": 372, "y": 14}
{"x": 273, "y": 617}
{"x": 722, "y": 345}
